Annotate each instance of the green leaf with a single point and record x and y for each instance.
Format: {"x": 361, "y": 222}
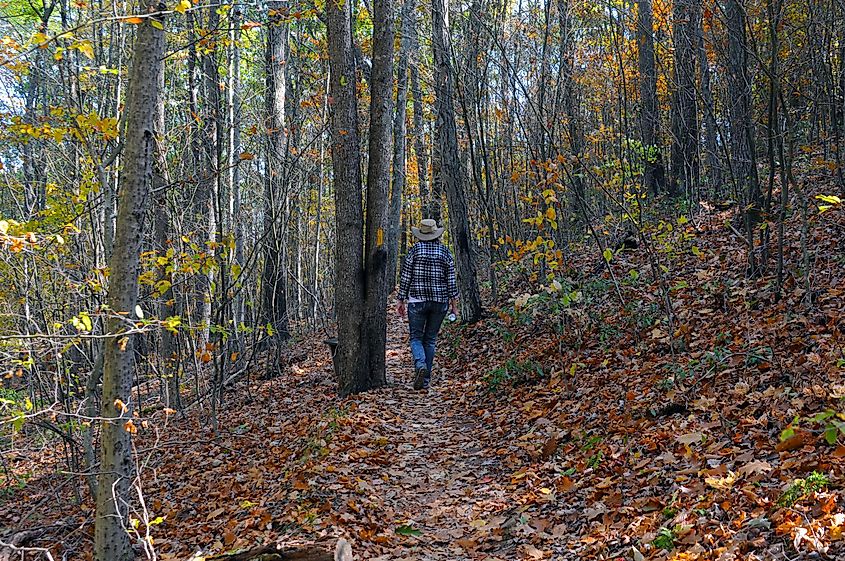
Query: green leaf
{"x": 405, "y": 530}
{"x": 788, "y": 432}
{"x": 831, "y": 433}
{"x": 608, "y": 254}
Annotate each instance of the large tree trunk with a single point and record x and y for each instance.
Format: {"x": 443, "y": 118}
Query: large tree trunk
{"x": 450, "y": 174}
{"x": 653, "y": 175}
{"x": 685, "y": 167}
{"x": 346, "y": 162}
{"x": 378, "y": 185}
{"x": 111, "y": 539}
{"x": 274, "y": 281}
{"x": 743, "y": 152}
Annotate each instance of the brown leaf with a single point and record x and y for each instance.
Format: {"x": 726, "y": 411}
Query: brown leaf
{"x": 550, "y": 447}
{"x": 757, "y": 466}
{"x": 794, "y": 442}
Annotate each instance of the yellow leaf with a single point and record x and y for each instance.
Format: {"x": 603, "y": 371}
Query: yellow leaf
{"x": 722, "y": 482}
{"x": 86, "y": 48}
{"x": 182, "y": 6}
{"x": 4, "y": 227}
{"x": 157, "y": 24}
{"x": 380, "y": 237}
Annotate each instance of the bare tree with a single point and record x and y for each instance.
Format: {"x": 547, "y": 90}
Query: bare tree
{"x": 111, "y": 540}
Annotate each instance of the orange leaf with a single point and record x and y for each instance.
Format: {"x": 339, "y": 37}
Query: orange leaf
{"x": 229, "y": 538}
{"x": 794, "y": 442}
{"x": 134, "y": 20}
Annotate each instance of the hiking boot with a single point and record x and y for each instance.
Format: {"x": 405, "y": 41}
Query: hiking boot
{"x": 420, "y": 376}
{"x": 427, "y": 381}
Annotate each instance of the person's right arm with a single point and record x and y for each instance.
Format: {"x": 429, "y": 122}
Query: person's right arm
{"x": 452, "y": 285}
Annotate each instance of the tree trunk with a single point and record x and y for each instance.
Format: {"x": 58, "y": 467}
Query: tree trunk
{"x": 743, "y": 152}
{"x": 111, "y": 540}
{"x": 714, "y": 169}
{"x": 209, "y": 172}
{"x": 399, "y": 143}
{"x": 274, "y": 279}
{"x": 346, "y": 162}
{"x": 653, "y": 174}
{"x": 685, "y": 168}
{"x": 418, "y": 133}
{"x": 160, "y": 180}
{"x": 378, "y": 186}
{"x": 234, "y": 118}
{"x": 450, "y": 175}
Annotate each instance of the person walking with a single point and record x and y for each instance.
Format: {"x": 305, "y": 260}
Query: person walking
{"x": 427, "y": 291}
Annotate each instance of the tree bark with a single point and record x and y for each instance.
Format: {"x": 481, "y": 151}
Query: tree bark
{"x": 450, "y": 174}
{"x": 274, "y": 278}
{"x": 378, "y": 186}
{"x": 169, "y": 348}
{"x": 346, "y": 162}
{"x": 653, "y": 175}
{"x": 743, "y": 151}
{"x": 111, "y": 540}
{"x": 685, "y": 167}
{"x": 399, "y": 143}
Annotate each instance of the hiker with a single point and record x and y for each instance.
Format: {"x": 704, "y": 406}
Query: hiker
{"x": 429, "y": 287}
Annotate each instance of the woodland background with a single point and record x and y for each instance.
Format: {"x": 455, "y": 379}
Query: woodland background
{"x": 644, "y": 203}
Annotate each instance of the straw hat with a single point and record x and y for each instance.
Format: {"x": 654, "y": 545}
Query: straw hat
{"x": 427, "y": 230}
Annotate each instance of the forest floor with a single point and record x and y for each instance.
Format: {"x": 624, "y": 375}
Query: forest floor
{"x": 556, "y": 428}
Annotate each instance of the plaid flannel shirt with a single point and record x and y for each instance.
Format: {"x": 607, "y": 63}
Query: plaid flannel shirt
{"x": 428, "y": 273}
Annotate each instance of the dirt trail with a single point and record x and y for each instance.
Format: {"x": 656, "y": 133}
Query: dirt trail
{"x": 438, "y": 479}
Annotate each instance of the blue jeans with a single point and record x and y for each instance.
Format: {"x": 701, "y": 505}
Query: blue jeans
{"x": 424, "y": 319}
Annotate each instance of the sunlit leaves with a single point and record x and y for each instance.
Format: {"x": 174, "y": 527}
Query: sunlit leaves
{"x": 82, "y": 322}
{"x": 831, "y": 200}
